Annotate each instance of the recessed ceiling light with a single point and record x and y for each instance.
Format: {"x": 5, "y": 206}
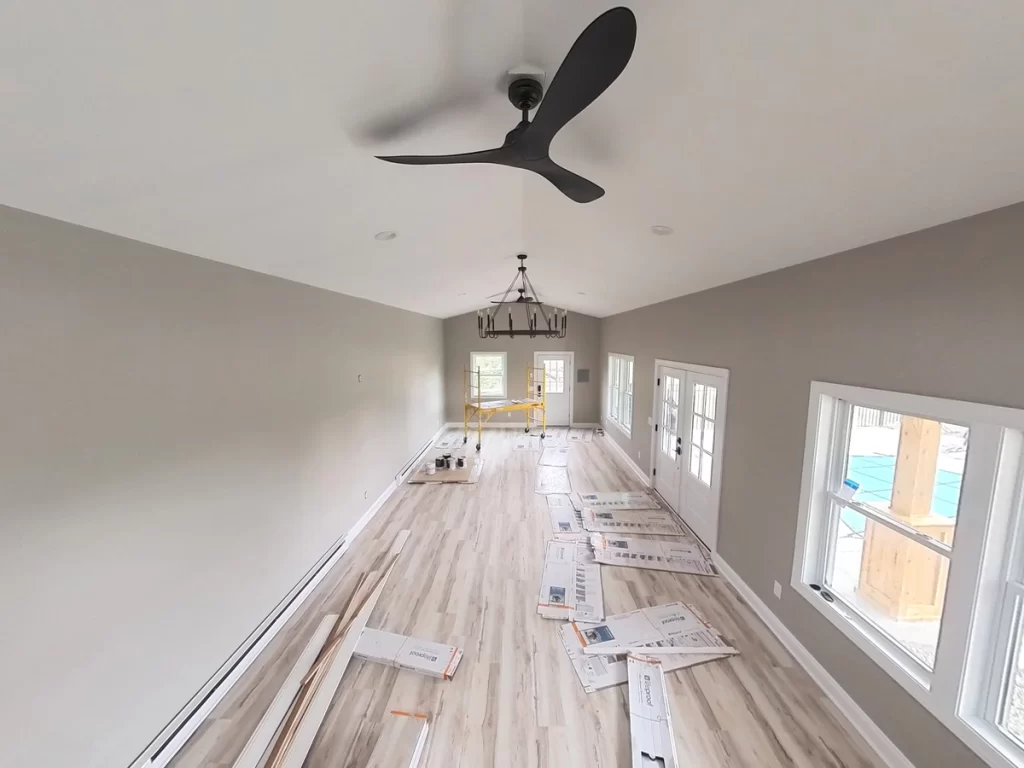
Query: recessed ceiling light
{"x": 662, "y": 230}
{"x": 462, "y": 294}
{"x": 385, "y": 235}
{"x": 581, "y": 293}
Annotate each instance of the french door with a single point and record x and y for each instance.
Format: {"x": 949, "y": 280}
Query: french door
{"x": 689, "y": 417}
{"x": 668, "y": 436}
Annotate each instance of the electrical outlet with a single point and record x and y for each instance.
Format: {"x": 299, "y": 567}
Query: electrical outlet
{"x": 778, "y": 590}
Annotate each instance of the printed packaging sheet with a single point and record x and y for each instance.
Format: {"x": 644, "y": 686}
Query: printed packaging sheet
{"x": 661, "y": 629}
{"x": 570, "y": 587}
{"x": 650, "y": 721}
{"x": 566, "y": 520}
{"x": 664, "y": 628}
{"x": 423, "y": 656}
{"x": 617, "y": 500}
{"x": 646, "y": 521}
{"x": 681, "y": 556}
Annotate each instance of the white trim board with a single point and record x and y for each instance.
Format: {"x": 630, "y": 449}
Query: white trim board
{"x": 609, "y": 440}
{"x": 875, "y": 737}
{"x": 161, "y": 750}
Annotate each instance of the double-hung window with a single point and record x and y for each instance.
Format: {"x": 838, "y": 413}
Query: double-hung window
{"x": 620, "y": 391}
{"x": 492, "y": 375}
{"x": 910, "y": 541}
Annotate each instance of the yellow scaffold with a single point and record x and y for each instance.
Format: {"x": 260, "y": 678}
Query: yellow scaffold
{"x": 478, "y": 408}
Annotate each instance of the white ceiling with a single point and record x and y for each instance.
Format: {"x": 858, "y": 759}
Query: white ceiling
{"x": 765, "y": 133}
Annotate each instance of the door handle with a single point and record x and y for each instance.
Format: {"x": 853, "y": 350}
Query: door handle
{"x": 679, "y": 446}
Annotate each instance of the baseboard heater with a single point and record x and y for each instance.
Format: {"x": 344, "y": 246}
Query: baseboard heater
{"x": 191, "y": 716}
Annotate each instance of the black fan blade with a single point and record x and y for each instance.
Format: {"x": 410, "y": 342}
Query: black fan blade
{"x": 497, "y": 156}
{"x": 593, "y": 63}
{"x": 411, "y": 119}
{"x": 571, "y": 185}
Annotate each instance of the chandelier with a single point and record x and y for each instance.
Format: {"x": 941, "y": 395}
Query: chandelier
{"x": 543, "y": 321}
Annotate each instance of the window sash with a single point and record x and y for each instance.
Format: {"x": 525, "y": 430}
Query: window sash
{"x": 620, "y": 391}
{"x": 492, "y": 385}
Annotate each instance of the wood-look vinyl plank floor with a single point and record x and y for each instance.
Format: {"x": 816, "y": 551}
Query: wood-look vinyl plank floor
{"x": 469, "y": 576}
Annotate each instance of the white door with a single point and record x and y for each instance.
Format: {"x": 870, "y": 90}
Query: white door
{"x": 558, "y": 375}
{"x": 668, "y": 442}
{"x": 704, "y": 412}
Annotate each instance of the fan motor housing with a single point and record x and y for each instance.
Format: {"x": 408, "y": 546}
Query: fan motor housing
{"x": 525, "y": 92}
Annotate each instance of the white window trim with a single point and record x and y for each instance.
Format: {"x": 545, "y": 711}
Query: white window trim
{"x": 956, "y": 691}
{"x": 504, "y": 373}
{"x": 623, "y": 359}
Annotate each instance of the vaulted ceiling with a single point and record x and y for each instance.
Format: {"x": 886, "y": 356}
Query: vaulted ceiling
{"x": 763, "y": 133}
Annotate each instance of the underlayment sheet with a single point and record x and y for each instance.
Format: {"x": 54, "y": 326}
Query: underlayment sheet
{"x": 528, "y": 443}
{"x": 617, "y": 500}
{"x": 565, "y": 518}
{"x": 468, "y": 474}
{"x": 553, "y": 480}
{"x": 581, "y": 436}
{"x": 650, "y": 522}
{"x": 555, "y": 457}
{"x": 681, "y": 556}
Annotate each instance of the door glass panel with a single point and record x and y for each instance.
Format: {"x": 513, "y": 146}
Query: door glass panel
{"x": 705, "y": 468}
{"x": 698, "y": 398}
{"x": 554, "y": 376}
{"x": 694, "y": 460}
{"x": 696, "y": 431}
{"x": 709, "y": 436}
{"x": 670, "y": 415}
{"x": 710, "y": 401}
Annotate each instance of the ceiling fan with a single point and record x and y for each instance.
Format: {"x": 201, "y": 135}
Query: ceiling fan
{"x": 593, "y": 63}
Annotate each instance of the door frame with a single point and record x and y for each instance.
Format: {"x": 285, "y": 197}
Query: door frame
{"x": 720, "y": 424}
{"x": 570, "y": 378}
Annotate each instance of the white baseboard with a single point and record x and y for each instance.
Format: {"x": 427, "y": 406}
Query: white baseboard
{"x": 888, "y": 752}
{"x": 609, "y": 440}
{"x": 163, "y": 748}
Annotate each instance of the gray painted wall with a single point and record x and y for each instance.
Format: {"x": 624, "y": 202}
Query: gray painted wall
{"x": 583, "y": 337}
{"x": 938, "y": 312}
{"x": 175, "y": 453}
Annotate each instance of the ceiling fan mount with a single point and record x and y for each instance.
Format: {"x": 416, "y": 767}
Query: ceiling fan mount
{"x": 593, "y": 63}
